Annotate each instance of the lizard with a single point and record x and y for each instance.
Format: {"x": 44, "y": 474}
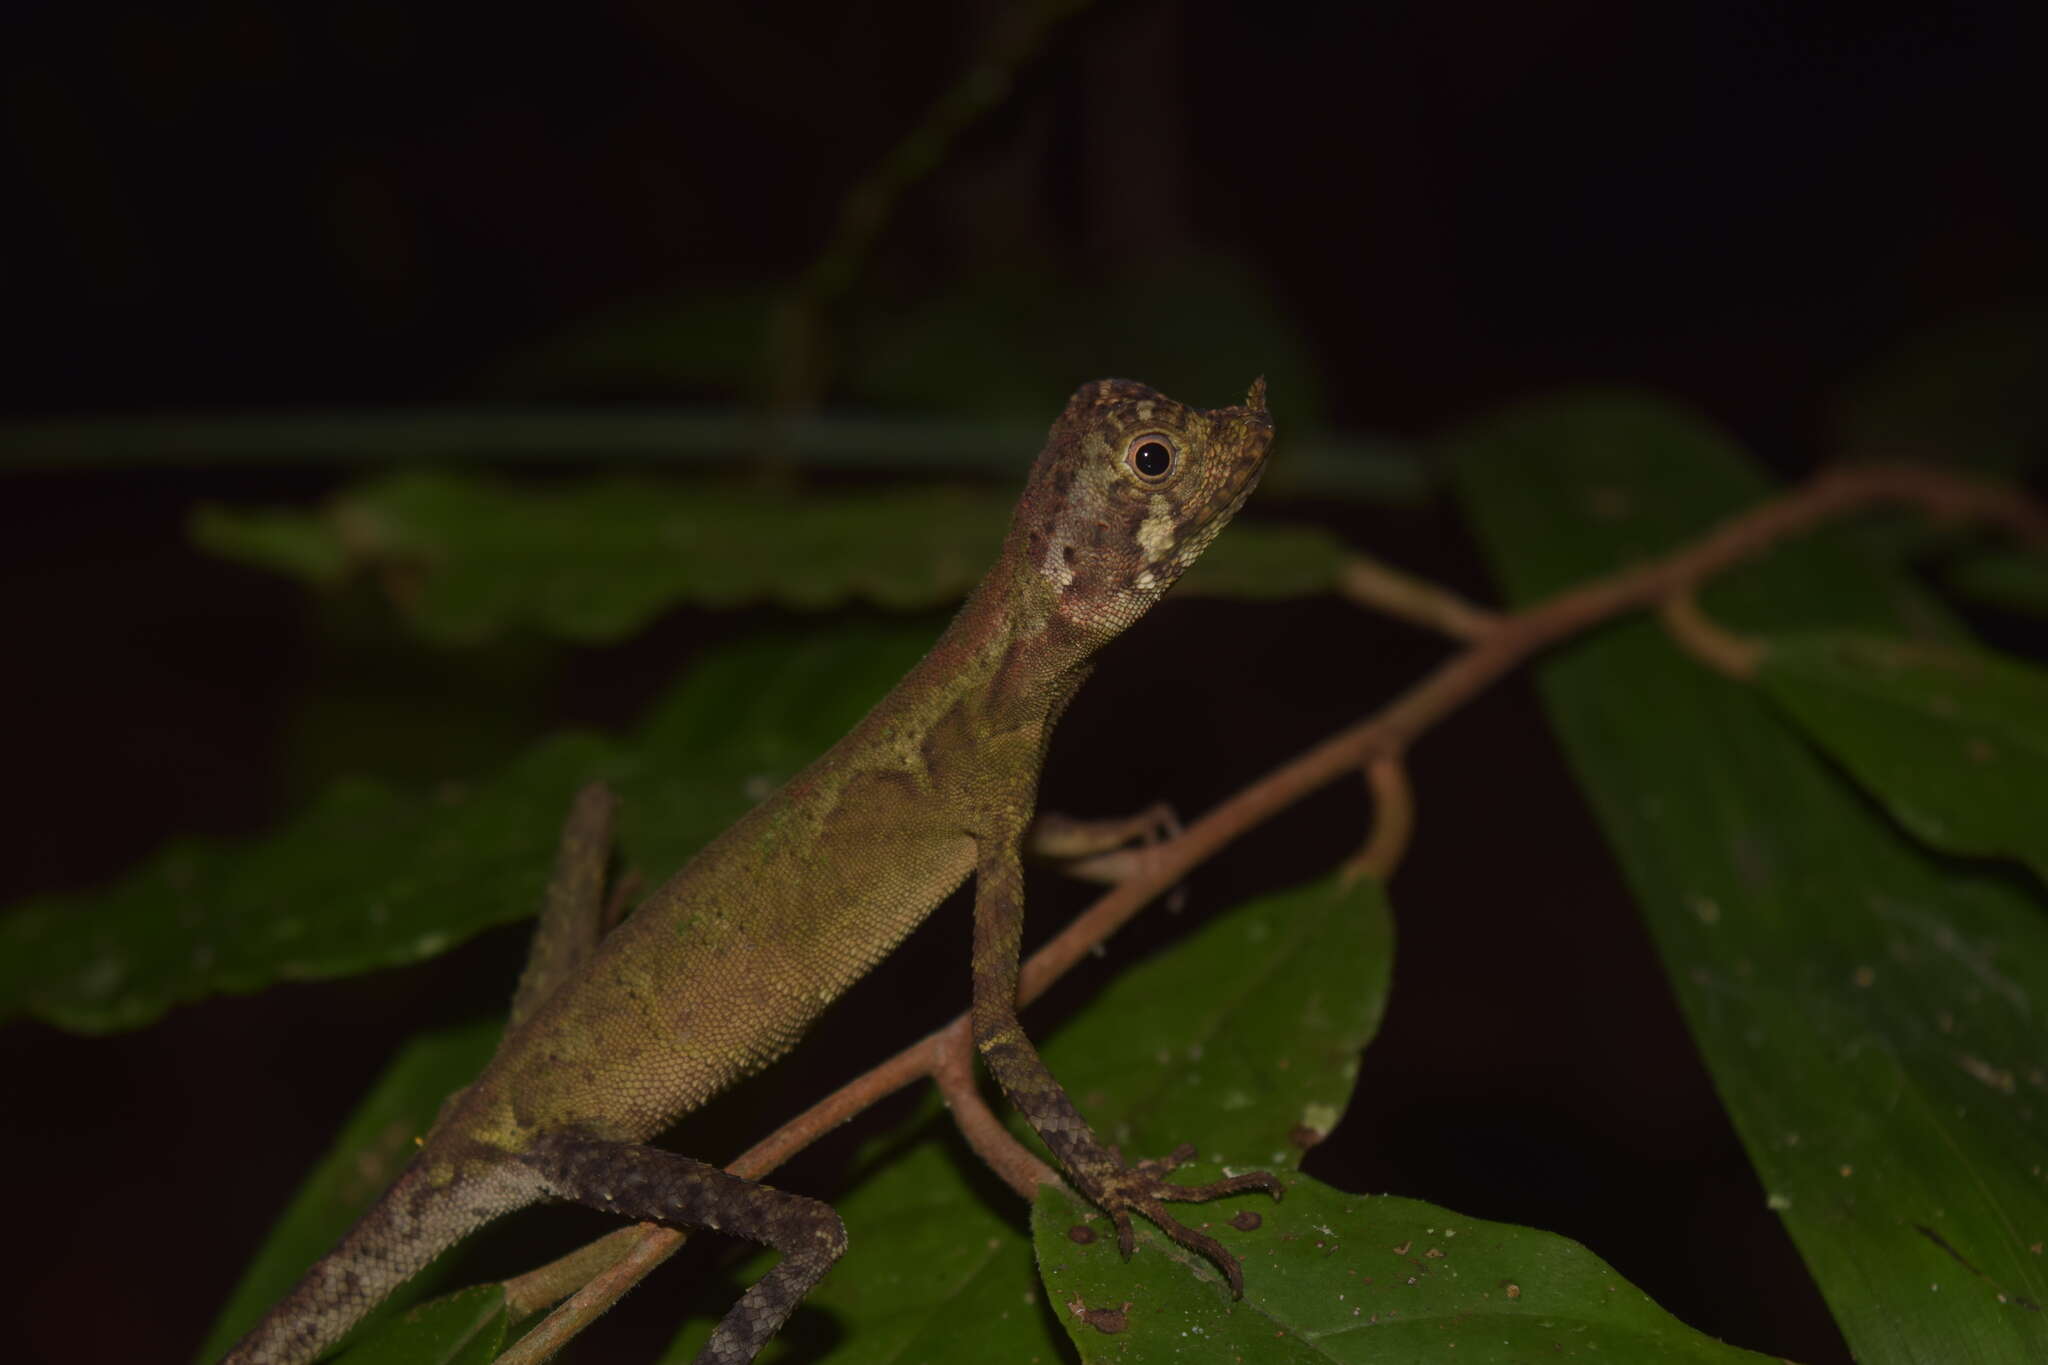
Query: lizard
{"x": 719, "y": 970}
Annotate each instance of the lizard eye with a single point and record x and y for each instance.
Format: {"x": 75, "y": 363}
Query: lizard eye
{"x": 1151, "y": 457}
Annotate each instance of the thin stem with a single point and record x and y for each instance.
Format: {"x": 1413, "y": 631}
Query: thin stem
{"x": 1386, "y": 589}
{"x": 1393, "y": 820}
{"x": 1696, "y": 633}
{"x": 1017, "y": 1165}
{"x": 536, "y": 1289}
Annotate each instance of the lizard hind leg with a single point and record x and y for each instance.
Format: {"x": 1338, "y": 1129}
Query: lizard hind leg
{"x": 658, "y": 1186}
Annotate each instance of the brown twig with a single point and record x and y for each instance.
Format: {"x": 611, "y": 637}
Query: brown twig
{"x": 536, "y": 1289}
{"x": 1696, "y": 633}
{"x": 1393, "y": 820}
{"x": 1505, "y": 645}
{"x": 1384, "y": 588}
{"x": 639, "y": 1256}
{"x": 1017, "y": 1165}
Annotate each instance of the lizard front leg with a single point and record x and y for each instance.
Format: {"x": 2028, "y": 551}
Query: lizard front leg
{"x": 666, "y": 1187}
{"x": 572, "y": 911}
{"x": 1098, "y": 1170}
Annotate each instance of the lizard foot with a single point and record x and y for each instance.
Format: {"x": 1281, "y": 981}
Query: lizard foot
{"x": 1144, "y": 1189}
{"x": 1107, "y": 851}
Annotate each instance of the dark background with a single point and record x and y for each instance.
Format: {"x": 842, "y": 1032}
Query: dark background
{"x": 1407, "y": 214}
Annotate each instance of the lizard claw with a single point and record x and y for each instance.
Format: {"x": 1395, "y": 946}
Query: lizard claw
{"x": 1143, "y": 1189}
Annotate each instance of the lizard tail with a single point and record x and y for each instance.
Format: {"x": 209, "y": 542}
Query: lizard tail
{"x": 431, "y": 1206}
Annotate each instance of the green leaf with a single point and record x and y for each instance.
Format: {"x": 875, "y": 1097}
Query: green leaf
{"x": 465, "y": 559}
{"x": 1331, "y": 1276}
{"x": 1243, "y": 1038}
{"x": 2011, "y": 579}
{"x": 374, "y": 875}
{"x": 1953, "y": 741}
{"x": 463, "y": 1328}
{"x": 1246, "y": 1037}
{"x": 1870, "y": 1012}
{"x": 370, "y": 1151}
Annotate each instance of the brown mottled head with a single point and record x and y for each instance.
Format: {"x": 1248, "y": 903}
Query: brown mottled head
{"x": 1130, "y": 489}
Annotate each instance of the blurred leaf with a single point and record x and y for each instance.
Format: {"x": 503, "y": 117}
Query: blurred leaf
{"x": 1009, "y": 342}
{"x": 375, "y": 876}
{"x": 466, "y": 559}
{"x": 367, "y": 1155}
{"x": 1243, "y": 1037}
{"x": 703, "y": 338}
{"x": 1973, "y": 390}
{"x": 463, "y": 1328}
{"x": 1331, "y": 1276}
{"x": 1953, "y": 741}
{"x": 1868, "y": 1011}
{"x": 295, "y": 544}
{"x": 2003, "y": 578}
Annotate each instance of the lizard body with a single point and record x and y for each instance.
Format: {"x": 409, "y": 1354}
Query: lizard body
{"x": 722, "y": 967}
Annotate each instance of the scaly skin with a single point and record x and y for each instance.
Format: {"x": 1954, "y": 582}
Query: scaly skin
{"x": 722, "y": 968}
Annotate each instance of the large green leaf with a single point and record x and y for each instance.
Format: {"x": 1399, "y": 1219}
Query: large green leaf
{"x": 466, "y": 558}
{"x": 1243, "y": 1038}
{"x": 1870, "y": 1012}
{"x": 374, "y": 875}
{"x": 1953, "y": 741}
{"x": 1331, "y": 1276}
{"x": 370, "y": 1151}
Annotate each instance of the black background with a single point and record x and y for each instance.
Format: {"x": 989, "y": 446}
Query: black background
{"x": 230, "y": 207}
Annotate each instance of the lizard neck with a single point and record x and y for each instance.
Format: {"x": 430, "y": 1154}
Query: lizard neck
{"x": 1025, "y": 657}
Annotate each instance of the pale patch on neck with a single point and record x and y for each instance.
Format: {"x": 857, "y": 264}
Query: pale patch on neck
{"x": 1055, "y": 567}
{"x": 1157, "y": 532}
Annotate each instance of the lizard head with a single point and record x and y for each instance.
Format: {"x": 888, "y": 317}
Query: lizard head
{"x": 1130, "y": 489}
